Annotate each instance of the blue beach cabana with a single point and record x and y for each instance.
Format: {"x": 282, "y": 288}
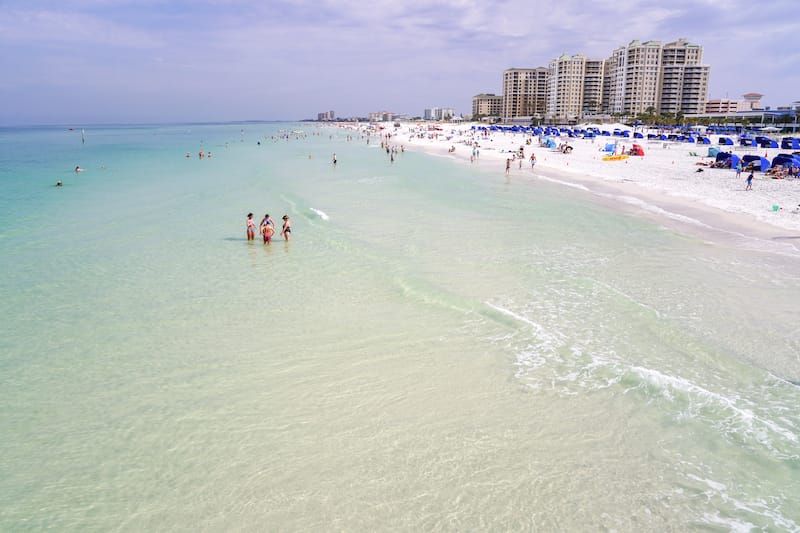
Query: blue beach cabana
{"x": 790, "y": 143}
{"x": 760, "y": 163}
{"x": 730, "y": 159}
{"x": 786, "y": 160}
{"x": 726, "y": 141}
{"x": 767, "y": 143}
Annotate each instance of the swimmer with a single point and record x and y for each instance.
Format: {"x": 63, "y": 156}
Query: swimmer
{"x": 78, "y": 169}
{"x": 334, "y": 159}
{"x": 287, "y": 227}
{"x": 58, "y": 184}
{"x": 251, "y": 227}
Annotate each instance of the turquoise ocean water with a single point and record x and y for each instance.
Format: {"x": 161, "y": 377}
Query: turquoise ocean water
{"x": 445, "y": 349}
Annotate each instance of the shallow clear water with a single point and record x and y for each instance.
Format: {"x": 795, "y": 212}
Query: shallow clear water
{"x": 450, "y": 349}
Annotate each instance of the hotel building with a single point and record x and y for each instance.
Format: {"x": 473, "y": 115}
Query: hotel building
{"x": 565, "y": 84}
{"x": 524, "y": 92}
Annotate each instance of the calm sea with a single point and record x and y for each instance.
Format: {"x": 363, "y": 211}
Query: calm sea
{"x": 437, "y": 348}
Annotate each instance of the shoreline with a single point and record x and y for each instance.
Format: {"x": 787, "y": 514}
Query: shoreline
{"x": 662, "y": 186}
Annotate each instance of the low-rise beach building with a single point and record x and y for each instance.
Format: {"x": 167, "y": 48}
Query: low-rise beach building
{"x": 487, "y": 105}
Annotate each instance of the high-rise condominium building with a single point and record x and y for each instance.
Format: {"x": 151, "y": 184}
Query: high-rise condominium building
{"x": 633, "y": 73}
{"x": 684, "y": 79}
{"x": 524, "y": 92}
{"x": 574, "y": 87}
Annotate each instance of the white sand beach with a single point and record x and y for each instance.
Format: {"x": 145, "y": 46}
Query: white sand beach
{"x": 665, "y": 182}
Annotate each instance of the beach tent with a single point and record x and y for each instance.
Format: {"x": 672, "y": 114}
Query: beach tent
{"x": 760, "y": 163}
{"x": 748, "y": 142}
{"x": 786, "y": 159}
{"x": 638, "y": 135}
{"x": 549, "y": 143}
{"x": 726, "y": 141}
{"x": 790, "y": 143}
{"x": 712, "y": 152}
{"x": 610, "y": 147}
{"x": 636, "y": 149}
{"x": 728, "y": 158}
{"x": 768, "y": 143}
{"x": 703, "y": 140}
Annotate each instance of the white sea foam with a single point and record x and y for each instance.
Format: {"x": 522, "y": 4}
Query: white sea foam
{"x": 321, "y": 214}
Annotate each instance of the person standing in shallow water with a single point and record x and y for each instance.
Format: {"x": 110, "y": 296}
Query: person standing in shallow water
{"x": 286, "y": 230}
{"x": 251, "y": 227}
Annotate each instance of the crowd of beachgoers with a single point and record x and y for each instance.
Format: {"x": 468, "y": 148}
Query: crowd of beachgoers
{"x": 630, "y": 159}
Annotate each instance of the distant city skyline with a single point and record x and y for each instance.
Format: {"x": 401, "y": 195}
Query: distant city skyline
{"x": 83, "y": 61}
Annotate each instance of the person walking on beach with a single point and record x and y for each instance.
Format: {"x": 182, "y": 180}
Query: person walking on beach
{"x": 286, "y": 230}
{"x": 251, "y": 227}
{"x": 533, "y": 161}
{"x": 334, "y": 159}
{"x": 739, "y": 169}
{"x": 508, "y": 166}
{"x": 749, "y": 186}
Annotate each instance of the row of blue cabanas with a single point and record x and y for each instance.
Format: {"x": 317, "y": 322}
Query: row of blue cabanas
{"x": 761, "y": 163}
{"x": 586, "y": 133}
{"x": 757, "y": 141}
{"x": 674, "y": 137}
{"x": 788, "y": 143}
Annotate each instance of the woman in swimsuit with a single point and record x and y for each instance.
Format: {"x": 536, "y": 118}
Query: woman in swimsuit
{"x": 251, "y": 227}
{"x": 287, "y": 227}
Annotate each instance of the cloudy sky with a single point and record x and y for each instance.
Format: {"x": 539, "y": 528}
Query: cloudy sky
{"x": 112, "y": 61}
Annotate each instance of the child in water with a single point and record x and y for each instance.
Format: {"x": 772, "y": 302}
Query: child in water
{"x": 267, "y": 231}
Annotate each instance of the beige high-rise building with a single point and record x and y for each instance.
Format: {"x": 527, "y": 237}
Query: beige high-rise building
{"x": 593, "y": 86}
{"x": 565, "y": 86}
{"x": 524, "y": 92}
{"x": 684, "y": 79}
{"x": 633, "y": 73}
{"x": 487, "y": 105}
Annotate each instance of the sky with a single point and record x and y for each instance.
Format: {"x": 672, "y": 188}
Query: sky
{"x": 150, "y": 61}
